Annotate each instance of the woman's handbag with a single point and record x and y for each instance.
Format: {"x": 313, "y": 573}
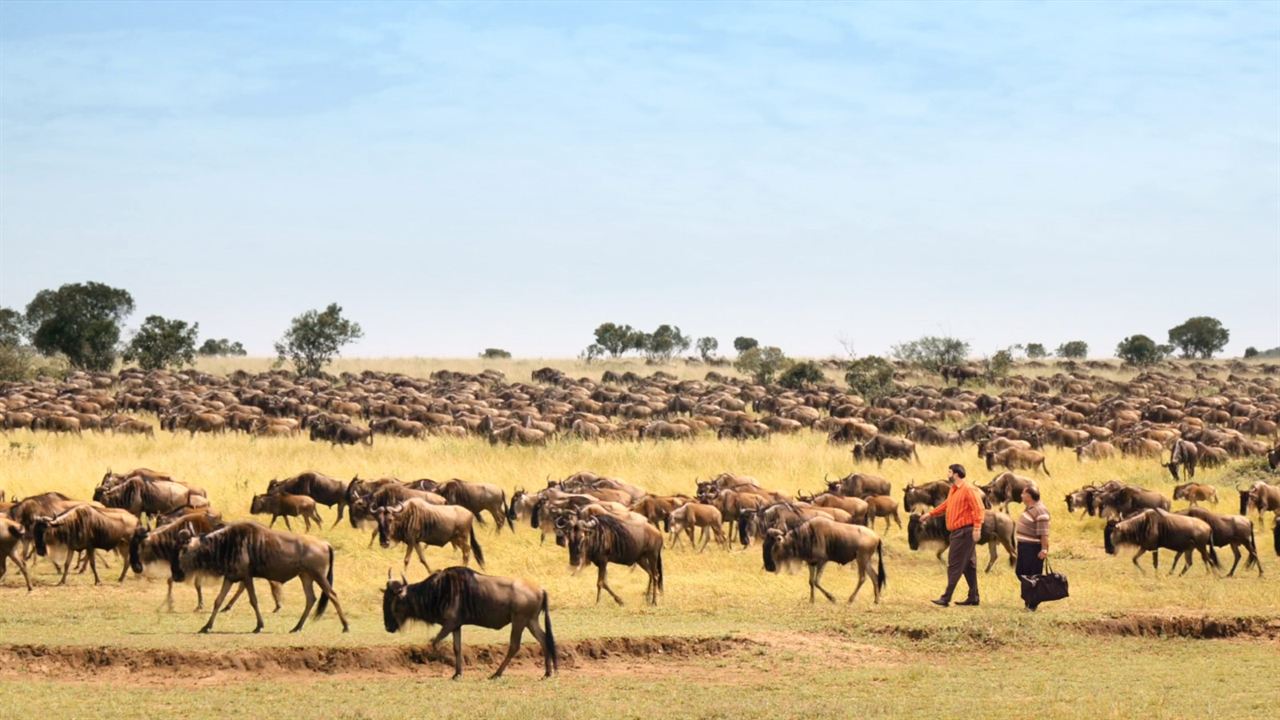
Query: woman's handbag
{"x": 1038, "y": 589}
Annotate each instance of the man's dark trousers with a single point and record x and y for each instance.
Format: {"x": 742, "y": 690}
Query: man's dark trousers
{"x": 962, "y": 559}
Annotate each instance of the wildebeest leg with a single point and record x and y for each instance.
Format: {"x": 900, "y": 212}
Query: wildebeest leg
{"x": 991, "y": 551}
{"x": 1140, "y": 553}
{"x": 199, "y": 594}
{"x": 422, "y": 557}
{"x": 373, "y": 537}
{"x": 339, "y": 519}
{"x": 688, "y": 530}
{"x": 457, "y": 653}
{"x": 273, "y": 521}
{"x": 815, "y": 581}
{"x": 1174, "y": 566}
{"x": 862, "y": 575}
{"x": 326, "y": 588}
{"x": 602, "y": 583}
{"x": 124, "y": 571}
{"x": 1235, "y": 549}
{"x": 940, "y": 551}
{"x": 1189, "y": 555}
{"x": 706, "y": 538}
{"x": 275, "y": 594}
{"x": 66, "y": 566}
{"x": 253, "y": 602}
{"x": 22, "y": 567}
{"x": 311, "y": 600}
{"x": 217, "y": 603}
{"x": 286, "y": 523}
{"x": 306, "y": 520}
{"x": 517, "y": 631}
{"x": 234, "y": 597}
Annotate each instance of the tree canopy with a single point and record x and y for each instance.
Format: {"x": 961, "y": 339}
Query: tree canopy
{"x": 871, "y": 377}
{"x": 762, "y": 363}
{"x": 221, "y": 347}
{"x": 1074, "y": 349}
{"x": 315, "y": 337}
{"x": 1141, "y": 350}
{"x": 707, "y": 347}
{"x": 1199, "y": 337}
{"x": 742, "y": 344}
{"x": 81, "y": 321}
{"x": 932, "y": 352}
{"x": 162, "y": 343}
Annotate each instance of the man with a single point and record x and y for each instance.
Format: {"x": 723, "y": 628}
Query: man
{"x": 1032, "y": 535}
{"x": 964, "y": 521}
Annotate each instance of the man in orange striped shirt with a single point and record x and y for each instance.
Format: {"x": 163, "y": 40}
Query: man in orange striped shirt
{"x": 964, "y": 519}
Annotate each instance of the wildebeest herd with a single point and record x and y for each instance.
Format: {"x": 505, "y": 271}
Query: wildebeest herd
{"x": 150, "y": 518}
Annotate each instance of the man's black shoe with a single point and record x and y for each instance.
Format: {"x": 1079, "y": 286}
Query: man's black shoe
{"x": 968, "y": 603}
{"x": 940, "y": 602}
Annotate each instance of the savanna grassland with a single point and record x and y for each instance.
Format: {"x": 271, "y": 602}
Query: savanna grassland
{"x": 726, "y": 640}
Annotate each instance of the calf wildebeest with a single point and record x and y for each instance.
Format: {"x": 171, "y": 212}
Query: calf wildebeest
{"x": 882, "y": 506}
{"x": 997, "y": 529}
{"x": 881, "y": 448}
{"x": 605, "y": 539}
{"x": 477, "y": 497}
{"x": 416, "y": 521}
{"x": 931, "y": 494}
{"x": 1003, "y": 489}
{"x": 1018, "y": 459}
{"x": 459, "y": 596}
{"x": 1233, "y": 530}
{"x": 11, "y": 533}
{"x": 688, "y": 517}
{"x": 1096, "y": 450}
{"x": 284, "y": 505}
{"x": 1151, "y": 530}
{"x": 85, "y": 527}
{"x": 321, "y": 488}
{"x": 1195, "y": 493}
{"x": 242, "y": 551}
{"x": 657, "y": 508}
{"x": 822, "y": 540}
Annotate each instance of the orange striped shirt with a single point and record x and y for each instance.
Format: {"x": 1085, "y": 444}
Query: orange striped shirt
{"x": 962, "y": 507}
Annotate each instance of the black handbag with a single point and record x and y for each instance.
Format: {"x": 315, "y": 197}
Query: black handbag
{"x": 1038, "y": 589}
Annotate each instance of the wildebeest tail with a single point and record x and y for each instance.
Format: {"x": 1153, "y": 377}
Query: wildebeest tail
{"x": 658, "y": 565}
{"x": 880, "y": 575}
{"x": 1275, "y": 529}
{"x": 475, "y": 548}
{"x": 1213, "y": 552}
{"x": 551, "y": 638}
{"x": 1044, "y": 464}
{"x": 324, "y": 597}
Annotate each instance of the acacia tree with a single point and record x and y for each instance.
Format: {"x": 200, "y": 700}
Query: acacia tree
{"x": 1074, "y": 349}
{"x": 1035, "y": 351}
{"x": 664, "y": 342}
{"x": 707, "y": 347}
{"x": 932, "y": 352}
{"x": 221, "y": 346}
{"x": 802, "y": 374}
{"x": 762, "y": 363}
{"x": 162, "y": 343}
{"x": 616, "y": 339}
{"x": 742, "y": 344}
{"x": 81, "y": 321}
{"x": 871, "y": 377}
{"x": 315, "y": 337}
{"x": 1141, "y": 350}
{"x": 1199, "y": 337}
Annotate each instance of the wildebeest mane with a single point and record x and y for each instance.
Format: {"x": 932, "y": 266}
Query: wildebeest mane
{"x": 220, "y": 550}
{"x": 611, "y": 540}
{"x": 430, "y": 599}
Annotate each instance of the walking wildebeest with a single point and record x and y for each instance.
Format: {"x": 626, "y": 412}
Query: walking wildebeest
{"x": 459, "y": 596}
{"x": 1003, "y": 489}
{"x": 242, "y": 551}
{"x": 85, "y": 527}
{"x": 11, "y": 533}
{"x": 321, "y": 488}
{"x": 416, "y": 521}
{"x": 605, "y": 539}
{"x": 1018, "y": 459}
{"x": 931, "y": 494}
{"x": 820, "y": 541}
{"x": 1233, "y": 530}
{"x": 1151, "y": 530}
{"x": 477, "y": 497}
{"x": 882, "y": 447}
{"x": 284, "y": 505}
{"x": 1195, "y": 493}
{"x": 997, "y": 529}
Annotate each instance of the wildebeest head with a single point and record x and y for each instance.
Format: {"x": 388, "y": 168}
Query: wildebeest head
{"x": 516, "y": 497}
{"x": 914, "y": 526}
{"x": 1180, "y": 491}
{"x": 135, "y": 548}
{"x": 1108, "y": 533}
{"x": 577, "y": 533}
{"x": 772, "y": 549}
{"x": 38, "y": 529}
{"x": 748, "y": 521}
{"x": 385, "y": 516}
{"x": 858, "y": 452}
{"x": 393, "y": 595}
{"x": 1244, "y": 500}
{"x": 183, "y": 561}
{"x": 258, "y": 504}
{"x": 1173, "y": 470}
{"x": 358, "y": 510}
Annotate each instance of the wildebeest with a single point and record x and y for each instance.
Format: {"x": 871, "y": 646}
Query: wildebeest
{"x": 1195, "y": 493}
{"x": 477, "y": 497}
{"x": 321, "y": 488}
{"x": 141, "y": 496}
{"x": 240, "y": 552}
{"x": 690, "y": 516}
{"x": 85, "y": 527}
{"x": 1123, "y": 500}
{"x": 1096, "y": 450}
{"x": 1018, "y": 459}
{"x": 1151, "y": 530}
{"x": 1184, "y": 453}
{"x": 1004, "y": 488}
{"x": 931, "y": 494}
{"x": 860, "y": 485}
{"x": 1233, "y": 530}
{"x": 882, "y": 506}
{"x": 284, "y": 505}
{"x": 415, "y": 521}
{"x": 882, "y": 447}
{"x": 459, "y": 596}
{"x": 1263, "y": 497}
{"x": 820, "y": 541}
{"x": 605, "y": 539}
{"x": 997, "y": 529}
{"x": 859, "y": 510}
{"x": 11, "y": 533}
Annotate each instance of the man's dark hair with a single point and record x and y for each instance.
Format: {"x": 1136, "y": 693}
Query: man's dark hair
{"x": 1033, "y": 492}
{"x": 957, "y": 469}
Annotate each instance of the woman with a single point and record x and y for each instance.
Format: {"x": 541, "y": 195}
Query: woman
{"x": 1032, "y": 535}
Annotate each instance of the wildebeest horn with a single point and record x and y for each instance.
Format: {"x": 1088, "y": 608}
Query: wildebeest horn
{"x": 404, "y": 579}
{"x": 388, "y": 574}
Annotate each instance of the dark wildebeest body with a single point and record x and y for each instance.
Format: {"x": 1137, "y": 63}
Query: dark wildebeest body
{"x": 1018, "y": 459}
{"x": 997, "y": 529}
{"x": 11, "y": 533}
{"x": 605, "y": 539}
{"x": 149, "y": 497}
{"x": 931, "y": 494}
{"x": 458, "y": 596}
{"x": 88, "y": 528}
{"x": 881, "y": 448}
{"x": 284, "y": 505}
{"x": 321, "y": 488}
{"x": 1233, "y": 530}
{"x": 477, "y": 497}
{"x": 242, "y": 551}
{"x": 1005, "y": 488}
{"x": 416, "y": 521}
{"x": 860, "y": 485}
{"x": 1151, "y": 530}
{"x": 1125, "y": 500}
{"x": 1184, "y": 453}
{"x": 820, "y": 541}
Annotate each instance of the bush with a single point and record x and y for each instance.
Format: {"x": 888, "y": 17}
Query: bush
{"x": 802, "y": 374}
{"x": 162, "y": 343}
{"x": 871, "y": 377}
{"x": 762, "y": 364}
{"x": 315, "y": 337}
{"x": 1074, "y": 349}
{"x": 1035, "y": 351}
{"x": 998, "y": 365}
{"x": 495, "y": 354}
{"x": 742, "y": 344}
{"x": 1250, "y": 352}
{"x": 932, "y": 352}
{"x": 221, "y": 347}
{"x": 617, "y": 339}
{"x": 1199, "y": 337}
{"x": 1140, "y": 350}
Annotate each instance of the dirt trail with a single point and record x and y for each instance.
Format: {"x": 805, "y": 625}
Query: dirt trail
{"x": 1185, "y": 626}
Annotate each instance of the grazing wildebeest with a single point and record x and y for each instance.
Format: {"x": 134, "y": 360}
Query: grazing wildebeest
{"x": 997, "y": 529}
{"x": 605, "y": 539}
{"x": 1151, "y": 530}
{"x": 415, "y": 521}
{"x": 11, "y": 533}
{"x": 1018, "y": 459}
{"x": 284, "y": 505}
{"x": 477, "y": 497}
{"x": 931, "y": 494}
{"x": 822, "y": 540}
{"x": 459, "y": 596}
{"x": 882, "y": 447}
{"x": 242, "y": 551}
{"x": 85, "y": 527}
{"x": 1233, "y": 530}
{"x": 1096, "y": 450}
{"x": 1195, "y": 493}
{"x": 1183, "y": 453}
{"x": 321, "y": 488}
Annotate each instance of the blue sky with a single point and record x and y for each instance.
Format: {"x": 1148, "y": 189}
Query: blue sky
{"x": 460, "y": 176}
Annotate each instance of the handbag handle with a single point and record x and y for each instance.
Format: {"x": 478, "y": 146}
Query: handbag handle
{"x": 1047, "y": 569}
